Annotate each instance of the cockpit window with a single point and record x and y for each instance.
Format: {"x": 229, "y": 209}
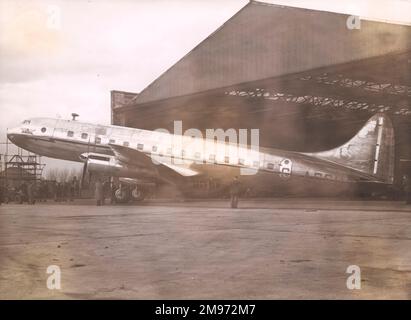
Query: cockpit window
{"x": 26, "y": 122}
{"x": 44, "y": 129}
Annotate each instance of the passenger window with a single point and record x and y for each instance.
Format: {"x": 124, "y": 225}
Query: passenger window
{"x": 140, "y": 146}
{"x": 270, "y": 166}
{"x": 154, "y": 148}
{"x": 197, "y": 155}
{"x": 318, "y": 174}
{"x": 226, "y": 159}
{"x": 70, "y": 134}
{"x": 328, "y": 176}
{"x": 241, "y": 162}
{"x": 84, "y": 136}
{"x": 126, "y": 143}
{"x": 112, "y": 141}
{"x": 212, "y": 157}
{"x": 98, "y": 140}
{"x": 183, "y": 153}
{"x": 256, "y": 164}
{"x": 169, "y": 151}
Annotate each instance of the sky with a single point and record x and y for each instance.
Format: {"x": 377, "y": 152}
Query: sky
{"x": 59, "y": 57}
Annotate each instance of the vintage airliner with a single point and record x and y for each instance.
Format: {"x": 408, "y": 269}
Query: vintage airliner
{"x": 143, "y": 156}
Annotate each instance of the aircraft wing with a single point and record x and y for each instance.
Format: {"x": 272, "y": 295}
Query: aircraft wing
{"x": 166, "y": 170}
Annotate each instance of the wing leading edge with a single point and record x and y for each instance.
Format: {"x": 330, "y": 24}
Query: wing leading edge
{"x": 162, "y": 165}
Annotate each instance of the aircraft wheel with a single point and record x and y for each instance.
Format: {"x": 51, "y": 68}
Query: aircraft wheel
{"x": 137, "y": 194}
{"x": 122, "y": 196}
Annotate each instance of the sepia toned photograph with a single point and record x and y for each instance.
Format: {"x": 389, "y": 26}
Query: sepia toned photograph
{"x": 205, "y": 150}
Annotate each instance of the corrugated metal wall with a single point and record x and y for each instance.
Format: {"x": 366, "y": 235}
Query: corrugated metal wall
{"x": 264, "y": 40}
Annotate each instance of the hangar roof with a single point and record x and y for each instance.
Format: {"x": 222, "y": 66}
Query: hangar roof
{"x": 265, "y": 40}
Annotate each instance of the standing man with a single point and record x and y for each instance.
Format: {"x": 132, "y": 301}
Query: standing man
{"x": 31, "y": 192}
{"x": 23, "y": 193}
{"x": 106, "y": 189}
{"x": 2, "y": 193}
{"x": 113, "y": 193}
{"x": 72, "y": 189}
{"x": 76, "y": 187}
{"x": 235, "y": 192}
{"x": 66, "y": 191}
{"x": 406, "y": 184}
{"x": 6, "y": 193}
{"x": 99, "y": 193}
{"x": 58, "y": 192}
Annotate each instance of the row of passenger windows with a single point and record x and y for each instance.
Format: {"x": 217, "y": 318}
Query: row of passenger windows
{"x": 97, "y": 140}
{"x": 197, "y": 155}
{"x": 212, "y": 157}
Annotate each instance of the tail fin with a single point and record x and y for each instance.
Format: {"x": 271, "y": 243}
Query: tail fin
{"x": 370, "y": 151}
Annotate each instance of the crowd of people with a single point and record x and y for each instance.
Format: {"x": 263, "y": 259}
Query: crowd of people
{"x": 33, "y": 191}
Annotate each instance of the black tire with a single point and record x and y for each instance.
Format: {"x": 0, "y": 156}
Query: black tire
{"x": 122, "y": 196}
{"x": 137, "y": 194}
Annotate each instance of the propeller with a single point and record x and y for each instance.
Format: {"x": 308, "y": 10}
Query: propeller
{"x": 84, "y": 172}
{"x": 85, "y": 157}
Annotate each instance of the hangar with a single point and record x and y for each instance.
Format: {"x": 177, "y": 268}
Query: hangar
{"x": 303, "y": 77}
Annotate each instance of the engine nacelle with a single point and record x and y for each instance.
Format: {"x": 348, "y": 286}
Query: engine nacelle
{"x": 110, "y": 166}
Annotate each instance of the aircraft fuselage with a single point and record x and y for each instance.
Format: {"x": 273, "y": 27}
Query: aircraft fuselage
{"x": 188, "y": 156}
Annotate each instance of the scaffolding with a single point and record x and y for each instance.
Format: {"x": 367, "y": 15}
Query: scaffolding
{"x": 20, "y": 166}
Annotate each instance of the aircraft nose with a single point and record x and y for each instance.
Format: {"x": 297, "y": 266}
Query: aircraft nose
{"x": 11, "y": 137}
{"x": 12, "y": 134}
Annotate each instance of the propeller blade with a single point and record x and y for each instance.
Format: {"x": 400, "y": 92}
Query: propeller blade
{"x": 84, "y": 173}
